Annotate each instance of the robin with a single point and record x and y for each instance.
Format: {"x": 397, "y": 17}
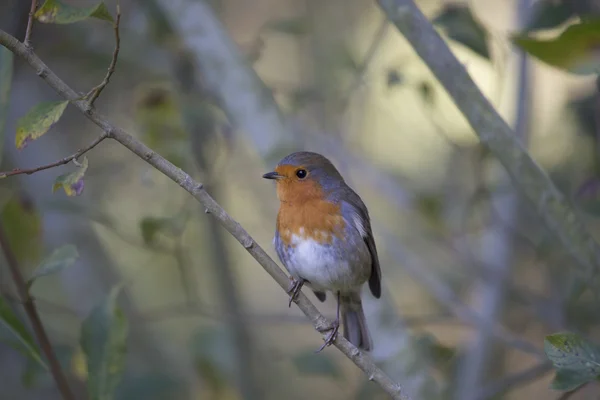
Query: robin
{"x": 323, "y": 238}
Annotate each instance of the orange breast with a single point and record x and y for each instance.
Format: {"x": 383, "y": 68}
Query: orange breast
{"x": 316, "y": 219}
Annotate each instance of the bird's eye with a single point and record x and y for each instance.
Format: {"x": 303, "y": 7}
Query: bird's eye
{"x": 301, "y": 173}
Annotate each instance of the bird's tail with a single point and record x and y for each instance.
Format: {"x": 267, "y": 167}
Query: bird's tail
{"x": 354, "y": 322}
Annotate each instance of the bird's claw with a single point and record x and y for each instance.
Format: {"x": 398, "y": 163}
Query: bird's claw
{"x": 294, "y": 289}
{"x": 330, "y": 338}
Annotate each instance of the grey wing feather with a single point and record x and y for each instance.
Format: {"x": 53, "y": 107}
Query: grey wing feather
{"x": 360, "y": 219}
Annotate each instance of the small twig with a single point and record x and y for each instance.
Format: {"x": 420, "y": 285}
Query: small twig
{"x": 27, "y": 41}
{"x": 36, "y": 323}
{"x": 73, "y": 157}
{"x": 95, "y": 92}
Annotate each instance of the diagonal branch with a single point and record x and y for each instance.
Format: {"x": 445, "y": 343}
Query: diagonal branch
{"x": 62, "y": 161}
{"x": 359, "y": 358}
{"x": 34, "y": 317}
{"x": 95, "y": 92}
{"x": 531, "y": 180}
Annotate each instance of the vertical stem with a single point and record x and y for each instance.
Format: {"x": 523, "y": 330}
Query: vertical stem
{"x": 27, "y": 41}
{"x": 36, "y": 323}
{"x": 498, "y": 246}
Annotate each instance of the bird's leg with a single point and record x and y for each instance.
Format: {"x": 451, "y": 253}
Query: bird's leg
{"x": 294, "y": 289}
{"x": 334, "y": 328}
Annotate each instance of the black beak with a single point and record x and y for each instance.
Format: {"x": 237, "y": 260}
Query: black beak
{"x": 272, "y": 175}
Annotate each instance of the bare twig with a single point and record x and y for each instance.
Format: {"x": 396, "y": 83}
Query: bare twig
{"x": 36, "y": 323}
{"x": 359, "y": 358}
{"x": 62, "y": 161}
{"x": 27, "y": 41}
{"x": 95, "y": 92}
{"x": 529, "y": 178}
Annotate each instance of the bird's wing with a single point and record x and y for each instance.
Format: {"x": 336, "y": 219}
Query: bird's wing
{"x": 358, "y": 216}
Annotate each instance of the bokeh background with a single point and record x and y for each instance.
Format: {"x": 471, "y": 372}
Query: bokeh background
{"x": 460, "y": 249}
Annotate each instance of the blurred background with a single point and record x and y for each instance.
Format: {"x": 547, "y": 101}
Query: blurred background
{"x": 472, "y": 281}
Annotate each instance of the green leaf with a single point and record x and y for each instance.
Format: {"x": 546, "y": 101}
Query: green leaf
{"x": 576, "y": 360}
{"x": 38, "y": 120}
{"x": 6, "y": 72}
{"x": 214, "y": 357}
{"x": 173, "y": 226}
{"x": 460, "y": 25}
{"x": 61, "y": 258}
{"x": 33, "y": 371}
{"x": 72, "y": 182}
{"x": 22, "y": 340}
{"x": 57, "y": 12}
{"x": 103, "y": 340}
{"x": 309, "y": 363}
{"x": 23, "y": 226}
{"x": 548, "y": 14}
{"x": 575, "y": 50}
{"x": 290, "y": 26}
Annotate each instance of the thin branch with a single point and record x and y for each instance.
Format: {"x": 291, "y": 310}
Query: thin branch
{"x": 36, "y": 323}
{"x": 63, "y": 161}
{"x": 27, "y": 41}
{"x": 95, "y": 92}
{"x": 359, "y": 358}
{"x": 531, "y": 180}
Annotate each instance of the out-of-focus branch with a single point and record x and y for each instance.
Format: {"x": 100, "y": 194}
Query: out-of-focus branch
{"x": 498, "y": 248}
{"x": 60, "y": 162}
{"x": 225, "y": 73}
{"x": 359, "y": 358}
{"x": 27, "y": 41}
{"x": 95, "y": 92}
{"x": 495, "y": 134}
{"x": 34, "y": 318}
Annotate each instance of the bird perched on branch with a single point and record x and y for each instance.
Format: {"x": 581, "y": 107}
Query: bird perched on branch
{"x": 324, "y": 239}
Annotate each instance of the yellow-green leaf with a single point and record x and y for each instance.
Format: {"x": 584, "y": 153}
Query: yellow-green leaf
{"x": 103, "y": 340}
{"x": 20, "y": 338}
{"x": 38, "y": 120}
{"x": 57, "y": 12}
{"x": 60, "y": 258}
{"x": 72, "y": 182}
{"x": 576, "y": 360}
{"x": 6, "y": 72}
{"x": 576, "y": 49}
{"x": 23, "y": 226}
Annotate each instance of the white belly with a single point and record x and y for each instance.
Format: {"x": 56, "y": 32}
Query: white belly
{"x": 319, "y": 264}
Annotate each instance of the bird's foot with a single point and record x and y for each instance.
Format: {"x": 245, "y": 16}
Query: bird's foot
{"x": 294, "y": 289}
{"x": 331, "y": 336}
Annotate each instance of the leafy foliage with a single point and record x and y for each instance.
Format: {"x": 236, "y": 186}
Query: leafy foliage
{"x": 6, "y": 73}
{"x": 309, "y": 363}
{"x": 460, "y": 25}
{"x": 23, "y": 228}
{"x": 173, "y": 226}
{"x": 576, "y": 360}
{"x": 72, "y": 183}
{"x": 548, "y": 14}
{"x": 57, "y": 12}
{"x": 20, "y": 339}
{"x": 103, "y": 340}
{"x": 38, "y": 121}
{"x": 33, "y": 371}
{"x": 59, "y": 259}
{"x": 574, "y": 50}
